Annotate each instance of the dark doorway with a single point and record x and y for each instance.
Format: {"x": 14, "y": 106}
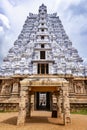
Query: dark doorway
{"x": 42, "y": 54}
{"x": 43, "y": 100}
{"x": 43, "y": 69}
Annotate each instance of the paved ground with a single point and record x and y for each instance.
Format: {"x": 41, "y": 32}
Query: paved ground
{"x": 41, "y": 120}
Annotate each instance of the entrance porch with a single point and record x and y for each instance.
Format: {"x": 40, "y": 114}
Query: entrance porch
{"x": 45, "y": 88}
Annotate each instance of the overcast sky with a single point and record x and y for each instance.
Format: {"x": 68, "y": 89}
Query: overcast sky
{"x": 73, "y": 14}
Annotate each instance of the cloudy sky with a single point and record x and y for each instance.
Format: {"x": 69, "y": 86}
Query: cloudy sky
{"x": 73, "y": 14}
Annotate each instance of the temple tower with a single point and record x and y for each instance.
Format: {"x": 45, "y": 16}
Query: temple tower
{"x": 44, "y": 54}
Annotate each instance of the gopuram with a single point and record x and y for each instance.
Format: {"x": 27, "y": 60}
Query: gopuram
{"x": 43, "y": 71}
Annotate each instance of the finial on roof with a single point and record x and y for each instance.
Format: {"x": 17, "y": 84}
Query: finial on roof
{"x": 43, "y": 7}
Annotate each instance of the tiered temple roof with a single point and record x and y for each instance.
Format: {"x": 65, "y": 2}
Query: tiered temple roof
{"x": 43, "y": 32}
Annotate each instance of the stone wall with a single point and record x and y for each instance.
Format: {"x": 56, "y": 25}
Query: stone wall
{"x": 10, "y": 93}
{"x": 9, "y": 106}
{"x": 74, "y": 107}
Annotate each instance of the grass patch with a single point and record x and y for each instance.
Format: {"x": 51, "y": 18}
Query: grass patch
{"x": 1, "y": 111}
{"x": 5, "y": 111}
{"x": 82, "y": 112}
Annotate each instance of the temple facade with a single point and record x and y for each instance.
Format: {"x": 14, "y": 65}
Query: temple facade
{"x": 43, "y": 71}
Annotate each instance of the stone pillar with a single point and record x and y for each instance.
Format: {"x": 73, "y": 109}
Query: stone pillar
{"x": 23, "y": 104}
{"x": 32, "y": 101}
{"x": 66, "y": 105}
{"x": 59, "y": 113}
{"x": 15, "y": 90}
{"x": 29, "y": 105}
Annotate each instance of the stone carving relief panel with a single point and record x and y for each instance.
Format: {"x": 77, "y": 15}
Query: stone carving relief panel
{"x": 85, "y": 84}
{"x": 0, "y": 85}
{"x": 79, "y": 87}
{"x": 6, "y": 88}
{"x": 71, "y": 86}
{"x": 49, "y": 56}
{"x": 15, "y": 87}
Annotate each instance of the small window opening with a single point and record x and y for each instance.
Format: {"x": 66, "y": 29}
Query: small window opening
{"x": 42, "y": 37}
{"x": 39, "y": 11}
{"x": 42, "y": 45}
{"x": 45, "y": 10}
{"x": 42, "y": 30}
{"x": 42, "y": 54}
{"x": 42, "y": 13}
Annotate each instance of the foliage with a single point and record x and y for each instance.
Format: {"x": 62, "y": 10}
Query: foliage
{"x": 5, "y": 111}
{"x": 82, "y": 112}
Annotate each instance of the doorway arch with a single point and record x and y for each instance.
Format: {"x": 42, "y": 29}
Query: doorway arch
{"x": 43, "y": 85}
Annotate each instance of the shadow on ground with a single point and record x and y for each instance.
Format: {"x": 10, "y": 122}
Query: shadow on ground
{"x": 33, "y": 119}
{"x": 39, "y": 119}
{"x": 11, "y": 121}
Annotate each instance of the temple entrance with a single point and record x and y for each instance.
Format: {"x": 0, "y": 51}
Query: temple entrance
{"x": 46, "y": 89}
{"x": 43, "y": 100}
